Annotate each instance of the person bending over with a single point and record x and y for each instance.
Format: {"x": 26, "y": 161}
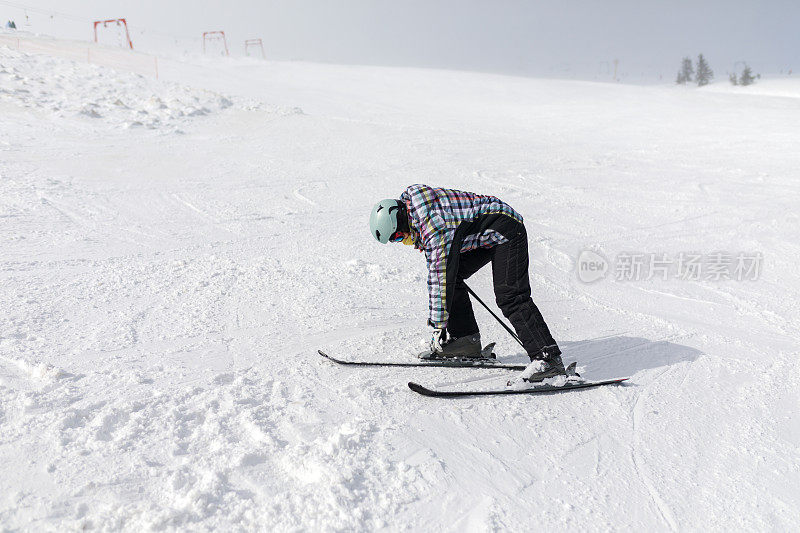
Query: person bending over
{"x": 460, "y": 232}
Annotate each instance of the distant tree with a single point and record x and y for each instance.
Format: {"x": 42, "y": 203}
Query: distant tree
{"x": 686, "y": 72}
{"x": 747, "y": 76}
{"x": 704, "y": 72}
{"x": 732, "y": 78}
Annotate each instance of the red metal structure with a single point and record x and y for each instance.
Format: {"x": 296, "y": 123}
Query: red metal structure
{"x": 215, "y": 36}
{"x": 119, "y": 22}
{"x": 254, "y": 42}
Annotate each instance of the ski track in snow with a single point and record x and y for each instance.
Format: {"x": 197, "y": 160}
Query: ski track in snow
{"x": 164, "y": 288}
{"x": 300, "y": 196}
{"x": 639, "y": 465}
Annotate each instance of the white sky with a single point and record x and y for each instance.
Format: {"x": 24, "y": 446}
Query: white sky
{"x": 510, "y": 36}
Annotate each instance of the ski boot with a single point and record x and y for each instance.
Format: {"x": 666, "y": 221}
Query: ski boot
{"x": 466, "y": 347}
{"x": 545, "y": 364}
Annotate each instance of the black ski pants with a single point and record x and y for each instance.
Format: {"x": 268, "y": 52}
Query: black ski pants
{"x": 512, "y": 290}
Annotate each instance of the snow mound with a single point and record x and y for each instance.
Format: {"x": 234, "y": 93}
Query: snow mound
{"x": 126, "y": 100}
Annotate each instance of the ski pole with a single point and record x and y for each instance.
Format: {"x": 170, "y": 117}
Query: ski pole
{"x": 508, "y": 329}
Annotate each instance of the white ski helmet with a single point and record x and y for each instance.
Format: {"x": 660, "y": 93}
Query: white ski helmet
{"x": 384, "y": 220}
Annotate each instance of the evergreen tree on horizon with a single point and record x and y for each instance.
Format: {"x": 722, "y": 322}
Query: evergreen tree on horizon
{"x": 747, "y": 76}
{"x": 704, "y": 72}
{"x": 686, "y": 72}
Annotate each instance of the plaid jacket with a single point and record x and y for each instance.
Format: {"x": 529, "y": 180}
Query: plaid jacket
{"x": 446, "y": 222}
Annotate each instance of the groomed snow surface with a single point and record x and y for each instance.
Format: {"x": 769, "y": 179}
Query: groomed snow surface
{"x": 174, "y": 252}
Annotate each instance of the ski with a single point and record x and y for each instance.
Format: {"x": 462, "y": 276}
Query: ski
{"x": 441, "y": 363}
{"x": 538, "y": 389}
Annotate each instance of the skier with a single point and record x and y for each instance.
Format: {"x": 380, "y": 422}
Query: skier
{"x": 460, "y": 232}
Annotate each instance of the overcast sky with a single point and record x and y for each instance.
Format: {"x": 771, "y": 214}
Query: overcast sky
{"x": 509, "y": 36}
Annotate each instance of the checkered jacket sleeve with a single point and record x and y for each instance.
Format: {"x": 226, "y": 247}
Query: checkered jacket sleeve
{"x": 435, "y": 227}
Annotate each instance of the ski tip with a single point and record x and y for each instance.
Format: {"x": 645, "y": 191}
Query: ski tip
{"x": 419, "y": 389}
{"x": 326, "y": 356}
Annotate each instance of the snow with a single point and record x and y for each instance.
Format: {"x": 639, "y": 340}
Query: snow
{"x": 165, "y": 288}
{"x": 64, "y": 88}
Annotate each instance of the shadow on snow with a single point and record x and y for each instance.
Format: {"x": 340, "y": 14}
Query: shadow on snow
{"x": 624, "y": 356}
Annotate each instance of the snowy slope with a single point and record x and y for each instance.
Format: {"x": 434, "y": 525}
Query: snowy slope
{"x": 164, "y": 290}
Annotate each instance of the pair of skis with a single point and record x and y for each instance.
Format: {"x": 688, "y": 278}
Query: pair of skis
{"x": 543, "y": 388}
